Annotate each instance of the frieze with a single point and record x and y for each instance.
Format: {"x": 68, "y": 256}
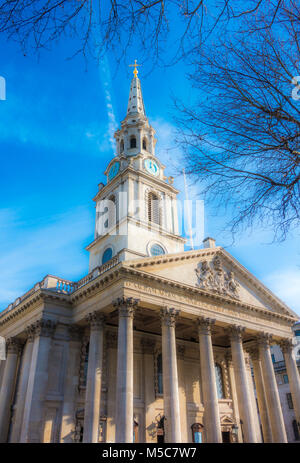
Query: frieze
{"x": 241, "y": 312}
{"x": 212, "y": 276}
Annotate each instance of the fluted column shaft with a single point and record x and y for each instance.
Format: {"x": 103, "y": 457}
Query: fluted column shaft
{"x": 170, "y": 374}
{"x": 293, "y": 375}
{"x": 209, "y": 386}
{"x": 242, "y": 386}
{"x": 68, "y": 422}
{"x": 22, "y": 388}
{"x": 8, "y": 386}
{"x": 124, "y": 396}
{"x": 271, "y": 390}
{"x": 260, "y": 393}
{"x": 32, "y": 431}
{"x": 94, "y": 377}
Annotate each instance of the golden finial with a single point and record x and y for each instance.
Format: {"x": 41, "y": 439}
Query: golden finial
{"x": 135, "y": 72}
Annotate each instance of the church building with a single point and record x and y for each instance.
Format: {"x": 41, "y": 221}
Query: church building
{"x": 155, "y": 344}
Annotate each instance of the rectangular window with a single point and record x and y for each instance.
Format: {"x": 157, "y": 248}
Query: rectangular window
{"x": 289, "y": 400}
{"x": 285, "y": 379}
{"x": 273, "y": 358}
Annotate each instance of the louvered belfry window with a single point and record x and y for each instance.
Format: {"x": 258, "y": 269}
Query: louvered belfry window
{"x": 153, "y": 208}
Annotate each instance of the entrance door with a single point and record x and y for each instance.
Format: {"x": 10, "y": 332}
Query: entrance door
{"x": 160, "y": 432}
{"x": 226, "y": 437}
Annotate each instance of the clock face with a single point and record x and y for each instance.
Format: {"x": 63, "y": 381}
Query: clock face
{"x": 113, "y": 170}
{"x": 151, "y": 167}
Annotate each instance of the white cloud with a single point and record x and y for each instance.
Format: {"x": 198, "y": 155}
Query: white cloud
{"x": 285, "y": 284}
{"x": 106, "y": 81}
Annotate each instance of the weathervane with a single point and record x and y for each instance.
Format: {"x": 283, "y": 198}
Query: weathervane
{"x": 135, "y": 72}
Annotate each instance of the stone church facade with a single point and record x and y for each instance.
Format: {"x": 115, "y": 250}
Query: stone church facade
{"x": 154, "y": 344}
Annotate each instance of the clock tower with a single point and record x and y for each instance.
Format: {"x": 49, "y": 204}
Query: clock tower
{"x": 136, "y": 211}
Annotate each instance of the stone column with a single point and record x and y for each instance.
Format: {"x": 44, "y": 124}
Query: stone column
{"x": 182, "y": 393}
{"x": 293, "y": 375}
{"x": 242, "y": 385}
{"x": 124, "y": 396}
{"x": 94, "y": 377}
{"x": 148, "y": 346}
{"x": 8, "y": 385}
{"x": 253, "y": 399}
{"x": 22, "y": 387}
{"x": 32, "y": 426}
{"x": 260, "y": 393}
{"x": 71, "y": 383}
{"x": 271, "y": 390}
{"x": 111, "y": 353}
{"x": 239, "y": 436}
{"x": 208, "y": 379}
{"x": 170, "y": 375}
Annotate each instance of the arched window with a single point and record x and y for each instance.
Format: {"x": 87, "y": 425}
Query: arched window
{"x": 107, "y": 255}
{"x": 197, "y": 429}
{"x": 153, "y": 208}
{"x": 159, "y": 373}
{"x": 219, "y": 381}
{"x": 156, "y": 250}
{"x": 135, "y": 432}
{"x": 144, "y": 144}
{"x": 132, "y": 142}
{"x": 122, "y": 146}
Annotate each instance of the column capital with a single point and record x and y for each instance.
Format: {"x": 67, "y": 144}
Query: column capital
{"x": 264, "y": 339}
{"x": 30, "y": 333}
{"x": 235, "y": 332}
{"x": 148, "y": 345}
{"x": 126, "y": 306}
{"x": 205, "y": 325}
{"x": 287, "y": 345}
{"x": 168, "y": 316}
{"x": 14, "y": 345}
{"x": 44, "y": 327}
{"x": 95, "y": 320}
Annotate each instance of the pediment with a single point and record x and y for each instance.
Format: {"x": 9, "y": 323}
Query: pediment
{"x": 214, "y": 270}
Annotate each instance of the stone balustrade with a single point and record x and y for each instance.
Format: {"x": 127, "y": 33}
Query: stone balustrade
{"x": 61, "y": 285}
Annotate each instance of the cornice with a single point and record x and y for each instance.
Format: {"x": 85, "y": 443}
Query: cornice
{"x": 42, "y": 295}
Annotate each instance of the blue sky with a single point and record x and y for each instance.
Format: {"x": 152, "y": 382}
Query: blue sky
{"x": 55, "y": 142}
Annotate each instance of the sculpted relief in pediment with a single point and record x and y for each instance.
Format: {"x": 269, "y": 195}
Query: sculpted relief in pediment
{"x": 212, "y": 276}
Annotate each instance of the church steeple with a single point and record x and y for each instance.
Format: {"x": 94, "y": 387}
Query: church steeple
{"x": 136, "y": 136}
{"x": 136, "y": 211}
{"x": 135, "y": 102}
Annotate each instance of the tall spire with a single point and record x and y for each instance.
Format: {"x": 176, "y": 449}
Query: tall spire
{"x": 135, "y": 102}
